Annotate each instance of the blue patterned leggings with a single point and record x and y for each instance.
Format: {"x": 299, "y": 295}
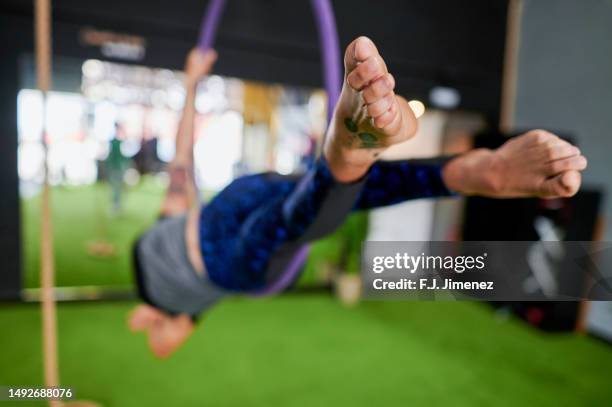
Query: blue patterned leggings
{"x": 262, "y": 217}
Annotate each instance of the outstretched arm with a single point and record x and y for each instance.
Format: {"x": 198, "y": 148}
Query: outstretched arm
{"x": 182, "y": 193}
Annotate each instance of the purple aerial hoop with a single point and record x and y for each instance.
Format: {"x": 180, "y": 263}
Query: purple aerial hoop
{"x": 332, "y": 74}
{"x": 210, "y": 22}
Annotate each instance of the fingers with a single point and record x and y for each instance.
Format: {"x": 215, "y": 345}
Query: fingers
{"x": 212, "y": 54}
{"x": 209, "y": 55}
{"x": 563, "y": 185}
{"x": 199, "y": 63}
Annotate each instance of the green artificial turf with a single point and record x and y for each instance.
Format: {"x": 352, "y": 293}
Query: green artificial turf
{"x": 308, "y": 350}
{"x": 82, "y": 215}
{"x": 287, "y": 351}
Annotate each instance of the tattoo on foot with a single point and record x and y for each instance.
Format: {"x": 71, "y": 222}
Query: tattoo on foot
{"x": 351, "y": 125}
{"x": 366, "y": 139}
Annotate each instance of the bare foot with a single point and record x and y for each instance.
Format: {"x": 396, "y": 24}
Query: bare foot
{"x": 166, "y": 334}
{"x": 536, "y": 164}
{"x": 369, "y": 117}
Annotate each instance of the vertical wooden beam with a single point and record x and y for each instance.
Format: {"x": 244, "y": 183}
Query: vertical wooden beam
{"x": 511, "y": 58}
{"x": 42, "y": 37}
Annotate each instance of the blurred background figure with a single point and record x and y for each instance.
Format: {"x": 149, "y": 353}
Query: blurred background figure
{"x": 146, "y": 160}
{"x": 115, "y": 165}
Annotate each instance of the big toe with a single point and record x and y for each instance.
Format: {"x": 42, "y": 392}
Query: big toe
{"x": 570, "y": 182}
{"x": 358, "y": 51}
{"x": 563, "y": 185}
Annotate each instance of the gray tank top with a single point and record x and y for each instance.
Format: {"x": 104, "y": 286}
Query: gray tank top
{"x": 169, "y": 278}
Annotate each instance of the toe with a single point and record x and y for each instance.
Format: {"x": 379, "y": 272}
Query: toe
{"x": 575, "y": 163}
{"x": 381, "y": 106}
{"x": 563, "y": 185}
{"x": 366, "y": 72}
{"x": 570, "y": 182}
{"x": 390, "y": 120}
{"x": 379, "y": 88}
{"x": 364, "y": 48}
{"x": 358, "y": 51}
{"x": 561, "y": 151}
{"x": 384, "y": 119}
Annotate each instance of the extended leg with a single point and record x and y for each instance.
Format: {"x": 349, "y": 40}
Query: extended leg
{"x": 307, "y": 210}
{"x": 392, "y": 182}
{"x": 526, "y": 166}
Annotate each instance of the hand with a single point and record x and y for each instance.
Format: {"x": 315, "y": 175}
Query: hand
{"x": 198, "y": 64}
{"x": 536, "y": 164}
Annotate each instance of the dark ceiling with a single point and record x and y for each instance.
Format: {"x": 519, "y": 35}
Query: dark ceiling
{"x": 458, "y": 43}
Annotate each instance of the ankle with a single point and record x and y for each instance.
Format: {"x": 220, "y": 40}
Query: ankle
{"x": 346, "y": 163}
{"x": 495, "y": 173}
{"x": 477, "y": 172}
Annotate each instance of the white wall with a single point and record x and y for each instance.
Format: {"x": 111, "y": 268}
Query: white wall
{"x": 410, "y": 221}
{"x": 565, "y": 83}
{"x": 565, "y": 79}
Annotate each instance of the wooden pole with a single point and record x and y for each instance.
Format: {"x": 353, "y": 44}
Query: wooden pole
{"x": 511, "y": 57}
{"x": 47, "y": 271}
